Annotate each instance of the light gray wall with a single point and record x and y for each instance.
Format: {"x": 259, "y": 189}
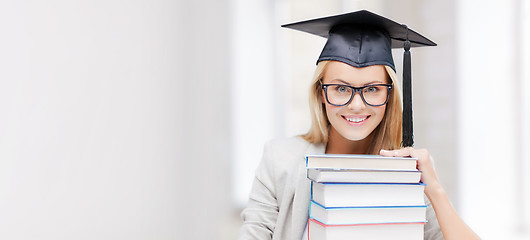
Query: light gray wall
{"x": 204, "y": 202}
{"x": 114, "y": 119}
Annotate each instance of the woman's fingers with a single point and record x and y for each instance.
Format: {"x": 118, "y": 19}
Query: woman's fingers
{"x": 403, "y": 152}
{"x": 428, "y": 175}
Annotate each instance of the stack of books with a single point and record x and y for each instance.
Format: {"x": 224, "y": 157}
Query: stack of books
{"x": 365, "y": 197}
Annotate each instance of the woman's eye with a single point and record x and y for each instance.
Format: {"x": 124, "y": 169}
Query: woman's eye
{"x": 371, "y": 89}
{"x": 342, "y": 89}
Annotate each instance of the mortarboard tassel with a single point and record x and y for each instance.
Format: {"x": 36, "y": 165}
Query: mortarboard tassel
{"x": 408, "y": 137}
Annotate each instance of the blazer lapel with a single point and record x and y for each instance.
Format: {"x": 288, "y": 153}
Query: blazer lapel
{"x": 302, "y": 194}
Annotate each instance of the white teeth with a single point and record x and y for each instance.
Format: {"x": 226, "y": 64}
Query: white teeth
{"x": 356, "y": 120}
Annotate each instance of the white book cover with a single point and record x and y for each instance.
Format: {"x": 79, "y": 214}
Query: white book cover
{"x": 367, "y": 215}
{"x": 360, "y": 161}
{"x": 363, "y": 175}
{"x": 395, "y": 231}
{"x": 367, "y": 194}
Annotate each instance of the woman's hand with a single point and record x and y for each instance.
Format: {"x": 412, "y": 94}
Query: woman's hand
{"x": 424, "y": 164}
{"x": 452, "y": 226}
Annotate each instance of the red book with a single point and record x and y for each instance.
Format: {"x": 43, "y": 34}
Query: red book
{"x": 383, "y": 231}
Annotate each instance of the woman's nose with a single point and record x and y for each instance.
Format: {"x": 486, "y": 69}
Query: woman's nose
{"x": 356, "y": 103}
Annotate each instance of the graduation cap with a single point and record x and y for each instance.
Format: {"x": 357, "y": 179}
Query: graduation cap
{"x": 363, "y": 39}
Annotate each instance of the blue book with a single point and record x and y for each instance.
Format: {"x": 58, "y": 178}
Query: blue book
{"x": 367, "y": 215}
{"x": 367, "y": 194}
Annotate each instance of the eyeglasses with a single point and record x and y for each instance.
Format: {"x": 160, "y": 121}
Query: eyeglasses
{"x": 341, "y": 95}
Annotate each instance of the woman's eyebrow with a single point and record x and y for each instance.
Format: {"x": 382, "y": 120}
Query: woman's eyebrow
{"x": 364, "y": 84}
{"x": 374, "y": 82}
{"x": 342, "y": 81}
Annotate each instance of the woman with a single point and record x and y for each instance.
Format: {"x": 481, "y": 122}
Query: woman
{"x": 356, "y": 109}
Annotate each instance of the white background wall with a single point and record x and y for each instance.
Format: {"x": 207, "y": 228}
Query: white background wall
{"x": 493, "y": 117}
{"x": 114, "y": 119}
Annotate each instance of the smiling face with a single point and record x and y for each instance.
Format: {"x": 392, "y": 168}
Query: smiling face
{"x": 356, "y": 120}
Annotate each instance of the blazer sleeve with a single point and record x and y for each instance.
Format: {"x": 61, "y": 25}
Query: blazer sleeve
{"x": 432, "y": 229}
{"x": 260, "y": 215}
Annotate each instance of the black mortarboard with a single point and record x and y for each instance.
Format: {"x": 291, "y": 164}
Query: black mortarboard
{"x": 363, "y": 39}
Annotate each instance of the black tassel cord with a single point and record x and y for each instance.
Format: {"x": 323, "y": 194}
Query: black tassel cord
{"x": 408, "y": 137}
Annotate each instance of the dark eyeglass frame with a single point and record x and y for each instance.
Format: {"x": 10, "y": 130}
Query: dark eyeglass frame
{"x": 355, "y": 90}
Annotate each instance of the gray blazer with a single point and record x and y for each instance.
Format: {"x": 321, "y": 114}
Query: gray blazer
{"x": 278, "y": 206}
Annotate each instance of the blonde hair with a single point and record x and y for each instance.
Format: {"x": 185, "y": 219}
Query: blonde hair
{"x": 387, "y": 135}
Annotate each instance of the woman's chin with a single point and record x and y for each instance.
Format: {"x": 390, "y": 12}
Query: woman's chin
{"x": 354, "y": 136}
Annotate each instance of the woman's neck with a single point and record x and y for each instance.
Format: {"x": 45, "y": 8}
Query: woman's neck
{"x": 337, "y": 144}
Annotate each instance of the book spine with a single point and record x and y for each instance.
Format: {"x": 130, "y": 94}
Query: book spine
{"x": 363, "y": 224}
